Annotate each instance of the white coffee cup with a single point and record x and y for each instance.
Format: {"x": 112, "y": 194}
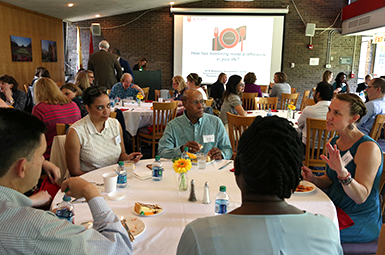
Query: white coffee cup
{"x": 160, "y": 99}
{"x": 110, "y": 180}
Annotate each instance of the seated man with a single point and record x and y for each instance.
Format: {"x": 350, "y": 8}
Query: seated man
{"x": 376, "y": 104}
{"x": 264, "y": 223}
{"x": 28, "y": 230}
{"x": 195, "y": 128}
{"x": 322, "y": 97}
{"x": 125, "y": 88}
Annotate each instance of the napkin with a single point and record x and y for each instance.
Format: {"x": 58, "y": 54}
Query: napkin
{"x": 274, "y": 110}
{"x": 143, "y": 174}
{"x": 249, "y": 112}
{"x": 344, "y": 221}
{"x": 124, "y": 109}
{"x": 148, "y": 101}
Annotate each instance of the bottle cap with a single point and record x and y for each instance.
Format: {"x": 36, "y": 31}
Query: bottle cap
{"x": 66, "y": 198}
{"x": 121, "y": 163}
{"x": 185, "y": 148}
{"x": 157, "y": 157}
{"x": 222, "y": 188}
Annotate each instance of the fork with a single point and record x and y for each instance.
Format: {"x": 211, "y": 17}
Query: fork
{"x": 130, "y": 235}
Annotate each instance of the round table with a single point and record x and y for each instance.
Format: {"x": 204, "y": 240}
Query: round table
{"x": 163, "y": 231}
{"x": 135, "y": 116}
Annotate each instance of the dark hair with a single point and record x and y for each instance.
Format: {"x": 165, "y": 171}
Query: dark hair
{"x": 379, "y": 83}
{"x": 44, "y": 73}
{"x": 326, "y": 90}
{"x": 338, "y": 79}
{"x": 193, "y": 77}
{"x": 231, "y": 86}
{"x": 116, "y": 52}
{"x": 72, "y": 87}
{"x": 250, "y": 78}
{"x": 10, "y": 80}
{"x": 282, "y": 77}
{"x": 38, "y": 70}
{"x": 91, "y": 93}
{"x": 269, "y": 157}
{"x": 15, "y": 142}
{"x": 357, "y": 106}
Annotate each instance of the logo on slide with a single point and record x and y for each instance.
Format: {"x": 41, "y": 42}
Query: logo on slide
{"x": 228, "y": 38}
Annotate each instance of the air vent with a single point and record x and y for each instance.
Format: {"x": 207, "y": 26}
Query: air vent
{"x": 365, "y": 20}
{"x": 95, "y": 28}
{"x": 353, "y": 23}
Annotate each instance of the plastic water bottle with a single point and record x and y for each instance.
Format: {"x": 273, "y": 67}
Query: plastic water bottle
{"x": 221, "y": 201}
{"x": 122, "y": 175}
{"x": 269, "y": 113}
{"x": 157, "y": 169}
{"x": 184, "y": 153}
{"x": 65, "y": 209}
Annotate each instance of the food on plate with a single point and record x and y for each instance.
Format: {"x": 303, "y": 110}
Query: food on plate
{"x": 200, "y": 146}
{"x": 191, "y": 155}
{"x": 194, "y": 157}
{"x": 303, "y": 188}
{"x": 147, "y": 209}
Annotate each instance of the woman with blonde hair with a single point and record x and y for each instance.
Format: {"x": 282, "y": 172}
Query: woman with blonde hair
{"x": 82, "y": 81}
{"x": 179, "y": 86}
{"x": 53, "y": 107}
{"x": 327, "y": 76}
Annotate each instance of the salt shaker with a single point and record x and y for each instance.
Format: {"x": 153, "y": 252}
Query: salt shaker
{"x": 206, "y": 194}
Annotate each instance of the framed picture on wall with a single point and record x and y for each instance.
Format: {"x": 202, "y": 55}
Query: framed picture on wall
{"x": 48, "y": 51}
{"x": 21, "y": 48}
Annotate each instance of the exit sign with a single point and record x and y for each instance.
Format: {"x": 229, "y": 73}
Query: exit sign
{"x": 378, "y": 39}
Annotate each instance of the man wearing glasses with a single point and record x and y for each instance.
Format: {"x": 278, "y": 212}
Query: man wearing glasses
{"x": 199, "y": 131}
{"x": 376, "y": 104}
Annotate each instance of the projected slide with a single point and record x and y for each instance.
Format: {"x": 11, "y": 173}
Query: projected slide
{"x": 210, "y": 45}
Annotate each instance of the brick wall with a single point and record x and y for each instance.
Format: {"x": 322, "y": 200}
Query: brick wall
{"x": 151, "y": 36}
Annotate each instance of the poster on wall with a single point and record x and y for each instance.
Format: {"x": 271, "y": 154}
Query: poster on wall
{"x": 48, "y": 51}
{"x": 21, "y": 49}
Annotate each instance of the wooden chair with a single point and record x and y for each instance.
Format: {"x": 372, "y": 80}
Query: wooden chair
{"x": 208, "y": 102}
{"x": 113, "y": 115}
{"x": 306, "y": 94}
{"x": 237, "y": 125}
{"x": 26, "y": 86}
{"x": 293, "y": 90}
{"x": 316, "y": 139}
{"x": 146, "y": 91}
{"x": 59, "y": 83}
{"x": 248, "y": 101}
{"x": 378, "y": 124}
{"x": 157, "y": 94}
{"x": 264, "y": 103}
{"x": 264, "y": 88}
{"x": 306, "y": 102}
{"x": 108, "y": 91}
{"x": 162, "y": 114}
{"x": 287, "y": 98}
{"x": 171, "y": 92}
{"x": 205, "y": 90}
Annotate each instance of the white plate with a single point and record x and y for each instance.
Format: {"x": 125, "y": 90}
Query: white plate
{"x": 133, "y": 210}
{"x": 207, "y": 163}
{"x": 116, "y": 195}
{"x": 306, "y": 184}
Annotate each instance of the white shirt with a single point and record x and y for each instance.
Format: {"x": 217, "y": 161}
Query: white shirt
{"x": 317, "y": 111}
{"x": 204, "y": 95}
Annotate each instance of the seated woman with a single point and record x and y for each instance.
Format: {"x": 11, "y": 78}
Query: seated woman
{"x": 53, "y": 107}
{"x": 14, "y": 97}
{"x": 179, "y": 86}
{"x": 141, "y": 65}
{"x": 353, "y": 170}
{"x": 327, "y": 76}
{"x": 96, "y": 140}
{"x": 82, "y": 81}
{"x": 279, "y": 86}
{"x": 250, "y": 87}
{"x": 194, "y": 82}
{"x": 267, "y": 170}
{"x": 232, "y": 98}
{"x": 74, "y": 93}
{"x": 341, "y": 85}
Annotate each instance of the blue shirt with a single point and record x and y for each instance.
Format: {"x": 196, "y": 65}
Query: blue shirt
{"x": 374, "y": 107}
{"x": 118, "y": 91}
{"x": 180, "y": 130}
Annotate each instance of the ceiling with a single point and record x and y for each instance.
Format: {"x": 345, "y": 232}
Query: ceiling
{"x": 87, "y": 9}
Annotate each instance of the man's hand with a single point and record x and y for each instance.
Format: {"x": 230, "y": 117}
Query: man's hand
{"x": 78, "y": 188}
{"x": 135, "y": 156}
{"x": 52, "y": 171}
{"x": 193, "y": 147}
{"x": 40, "y": 199}
{"x": 215, "y": 153}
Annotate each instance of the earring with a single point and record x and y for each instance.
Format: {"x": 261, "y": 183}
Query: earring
{"x": 351, "y": 126}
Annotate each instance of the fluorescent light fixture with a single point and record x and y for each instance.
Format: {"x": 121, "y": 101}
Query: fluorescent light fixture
{"x": 172, "y": 3}
{"x": 97, "y": 15}
{"x": 70, "y": 4}
{"x": 230, "y": 10}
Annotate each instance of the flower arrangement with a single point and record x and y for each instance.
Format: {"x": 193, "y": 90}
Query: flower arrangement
{"x": 291, "y": 106}
{"x": 139, "y": 96}
{"x": 182, "y": 166}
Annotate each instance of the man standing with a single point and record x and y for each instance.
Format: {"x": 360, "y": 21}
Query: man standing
{"x": 218, "y": 89}
{"x": 104, "y": 65}
{"x": 125, "y": 88}
{"x": 199, "y": 131}
{"x": 124, "y": 64}
{"x": 322, "y": 97}
{"x": 376, "y": 104}
{"x": 25, "y": 230}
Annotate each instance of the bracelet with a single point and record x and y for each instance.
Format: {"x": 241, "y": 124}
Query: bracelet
{"x": 349, "y": 175}
{"x": 347, "y": 181}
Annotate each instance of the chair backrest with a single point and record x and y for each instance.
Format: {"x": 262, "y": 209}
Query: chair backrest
{"x": 171, "y": 92}
{"x": 237, "y": 125}
{"x": 264, "y": 103}
{"x": 293, "y": 90}
{"x": 306, "y": 102}
{"x": 287, "y": 98}
{"x": 146, "y": 91}
{"x": 157, "y": 94}
{"x": 208, "y": 102}
{"x": 61, "y": 128}
{"x": 205, "y": 90}
{"x": 316, "y": 138}
{"x": 248, "y": 101}
{"x": 108, "y": 91}
{"x": 306, "y": 94}
{"x": 378, "y": 124}
{"x": 113, "y": 115}
{"x": 162, "y": 114}
{"x": 26, "y": 86}
{"x": 264, "y": 88}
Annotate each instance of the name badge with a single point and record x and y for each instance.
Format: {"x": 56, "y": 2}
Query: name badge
{"x": 117, "y": 139}
{"x": 208, "y": 138}
{"x": 347, "y": 158}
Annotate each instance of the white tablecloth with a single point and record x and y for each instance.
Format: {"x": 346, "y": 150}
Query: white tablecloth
{"x": 136, "y": 116}
{"x": 163, "y": 231}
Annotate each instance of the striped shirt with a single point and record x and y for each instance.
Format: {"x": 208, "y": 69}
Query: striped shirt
{"x": 25, "y": 230}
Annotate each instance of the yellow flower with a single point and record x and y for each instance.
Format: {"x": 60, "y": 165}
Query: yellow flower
{"x": 291, "y": 107}
{"x": 291, "y": 103}
{"x": 182, "y": 165}
{"x": 139, "y": 96}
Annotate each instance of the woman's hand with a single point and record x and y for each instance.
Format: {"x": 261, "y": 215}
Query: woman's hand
{"x": 307, "y": 174}
{"x": 135, "y": 156}
{"x": 8, "y": 92}
{"x": 334, "y": 161}
{"x": 52, "y": 171}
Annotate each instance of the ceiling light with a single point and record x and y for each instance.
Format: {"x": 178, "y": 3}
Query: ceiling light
{"x": 172, "y": 3}
{"x": 70, "y": 5}
{"x": 97, "y": 15}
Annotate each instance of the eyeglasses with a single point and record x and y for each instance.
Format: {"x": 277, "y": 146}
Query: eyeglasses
{"x": 196, "y": 102}
{"x": 241, "y": 85}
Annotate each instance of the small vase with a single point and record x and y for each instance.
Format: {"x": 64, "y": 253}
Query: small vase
{"x": 288, "y": 113}
{"x": 139, "y": 101}
{"x": 182, "y": 182}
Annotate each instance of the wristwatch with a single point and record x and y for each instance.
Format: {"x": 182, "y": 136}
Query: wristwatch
{"x": 11, "y": 101}
{"x": 346, "y": 181}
